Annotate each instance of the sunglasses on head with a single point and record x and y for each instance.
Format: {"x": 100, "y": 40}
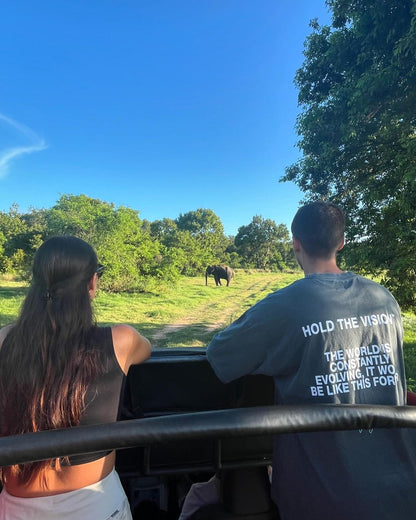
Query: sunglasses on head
{"x": 100, "y": 269}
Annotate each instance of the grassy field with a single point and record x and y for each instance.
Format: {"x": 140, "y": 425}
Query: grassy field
{"x": 189, "y": 314}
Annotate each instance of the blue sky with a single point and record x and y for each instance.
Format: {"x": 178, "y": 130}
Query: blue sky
{"x": 164, "y": 106}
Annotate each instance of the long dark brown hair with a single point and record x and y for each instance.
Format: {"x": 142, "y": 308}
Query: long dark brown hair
{"x": 46, "y": 362}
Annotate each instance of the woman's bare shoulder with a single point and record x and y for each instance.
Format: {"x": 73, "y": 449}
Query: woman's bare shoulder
{"x": 130, "y": 346}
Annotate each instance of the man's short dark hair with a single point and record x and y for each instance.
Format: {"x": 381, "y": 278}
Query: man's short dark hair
{"x": 319, "y": 227}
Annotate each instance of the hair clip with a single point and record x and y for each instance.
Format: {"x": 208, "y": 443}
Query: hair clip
{"x": 47, "y": 295}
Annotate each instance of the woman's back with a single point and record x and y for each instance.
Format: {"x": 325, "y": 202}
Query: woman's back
{"x": 66, "y": 372}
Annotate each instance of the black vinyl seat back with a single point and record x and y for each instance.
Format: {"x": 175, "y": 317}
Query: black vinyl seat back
{"x": 180, "y": 381}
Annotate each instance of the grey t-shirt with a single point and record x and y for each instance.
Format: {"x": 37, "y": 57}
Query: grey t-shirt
{"x": 325, "y": 339}
{"x": 328, "y": 338}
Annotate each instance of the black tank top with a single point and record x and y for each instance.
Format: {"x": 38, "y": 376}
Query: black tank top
{"x": 104, "y": 392}
{"x": 103, "y": 395}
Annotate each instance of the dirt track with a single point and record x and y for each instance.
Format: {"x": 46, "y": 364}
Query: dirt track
{"x": 204, "y": 319}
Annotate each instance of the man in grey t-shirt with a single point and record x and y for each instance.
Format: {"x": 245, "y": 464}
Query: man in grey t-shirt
{"x": 332, "y": 337}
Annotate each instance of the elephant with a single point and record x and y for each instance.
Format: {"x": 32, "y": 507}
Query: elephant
{"x": 219, "y": 271}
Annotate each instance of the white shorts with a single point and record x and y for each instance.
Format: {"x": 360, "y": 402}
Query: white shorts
{"x": 104, "y": 500}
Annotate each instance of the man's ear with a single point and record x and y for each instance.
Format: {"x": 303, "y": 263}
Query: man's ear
{"x": 92, "y": 286}
{"x": 341, "y": 245}
{"x": 296, "y": 244}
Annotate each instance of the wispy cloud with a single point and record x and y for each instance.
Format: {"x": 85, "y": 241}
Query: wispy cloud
{"x": 36, "y": 144}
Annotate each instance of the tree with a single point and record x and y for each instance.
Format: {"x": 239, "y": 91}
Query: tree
{"x": 87, "y": 218}
{"x": 207, "y": 232}
{"x": 263, "y": 244}
{"x": 19, "y": 239}
{"x": 132, "y": 257}
{"x": 161, "y": 229}
{"x": 357, "y": 128}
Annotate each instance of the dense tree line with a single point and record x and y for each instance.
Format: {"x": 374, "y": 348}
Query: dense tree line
{"x": 357, "y": 128}
{"x": 139, "y": 254}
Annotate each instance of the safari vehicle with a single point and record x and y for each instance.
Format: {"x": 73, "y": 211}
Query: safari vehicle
{"x": 180, "y": 424}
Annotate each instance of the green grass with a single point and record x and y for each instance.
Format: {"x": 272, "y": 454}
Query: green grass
{"x": 189, "y": 314}
{"x": 409, "y": 324}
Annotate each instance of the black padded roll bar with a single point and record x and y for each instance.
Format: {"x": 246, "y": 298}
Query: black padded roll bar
{"x": 236, "y": 422}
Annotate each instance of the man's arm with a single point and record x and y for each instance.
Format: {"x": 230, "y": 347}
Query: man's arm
{"x": 241, "y": 348}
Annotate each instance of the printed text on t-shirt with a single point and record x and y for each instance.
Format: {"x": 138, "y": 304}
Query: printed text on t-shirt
{"x": 354, "y": 369}
{"x": 351, "y": 322}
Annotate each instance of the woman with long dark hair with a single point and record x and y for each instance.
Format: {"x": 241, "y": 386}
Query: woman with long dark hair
{"x": 58, "y": 370}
